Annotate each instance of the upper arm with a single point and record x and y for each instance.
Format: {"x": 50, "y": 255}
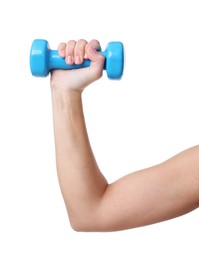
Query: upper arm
{"x": 152, "y": 195}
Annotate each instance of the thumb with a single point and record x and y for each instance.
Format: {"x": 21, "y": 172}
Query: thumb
{"x": 96, "y": 58}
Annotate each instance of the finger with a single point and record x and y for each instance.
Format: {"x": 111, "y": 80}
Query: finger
{"x": 85, "y": 53}
{"x": 61, "y": 49}
{"x": 70, "y": 46}
{"x": 92, "y": 50}
{"x": 95, "y": 44}
{"x": 80, "y": 51}
{"x": 96, "y": 58}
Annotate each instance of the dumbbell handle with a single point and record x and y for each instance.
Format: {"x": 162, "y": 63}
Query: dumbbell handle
{"x": 56, "y": 62}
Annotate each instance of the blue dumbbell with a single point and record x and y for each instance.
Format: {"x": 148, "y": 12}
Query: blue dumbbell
{"x": 43, "y": 60}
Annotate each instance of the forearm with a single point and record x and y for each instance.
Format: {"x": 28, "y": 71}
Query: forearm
{"x": 81, "y": 181}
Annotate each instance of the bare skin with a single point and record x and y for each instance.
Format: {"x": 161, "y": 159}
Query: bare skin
{"x": 152, "y": 195}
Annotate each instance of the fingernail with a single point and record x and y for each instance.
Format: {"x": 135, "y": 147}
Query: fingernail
{"x": 78, "y": 60}
{"x": 70, "y": 60}
{"x": 62, "y": 53}
{"x": 92, "y": 50}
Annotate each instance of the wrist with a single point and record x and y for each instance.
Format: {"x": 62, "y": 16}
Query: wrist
{"x": 65, "y": 98}
{"x": 66, "y": 81}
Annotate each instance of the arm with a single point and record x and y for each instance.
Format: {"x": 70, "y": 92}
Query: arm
{"x": 148, "y": 196}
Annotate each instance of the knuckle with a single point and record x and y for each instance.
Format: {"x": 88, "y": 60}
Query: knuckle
{"x": 80, "y": 48}
{"x": 61, "y": 48}
{"x": 71, "y": 43}
{"x": 95, "y": 43}
{"x": 81, "y": 42}
{"x": 62, "y": 45}
{"x": 70, "y": 47}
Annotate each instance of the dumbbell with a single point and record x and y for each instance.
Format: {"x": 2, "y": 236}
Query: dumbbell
{"x": 43, "y": 60}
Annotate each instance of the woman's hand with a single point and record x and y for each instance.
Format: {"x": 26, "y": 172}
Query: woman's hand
{"x": 74, "y": 52}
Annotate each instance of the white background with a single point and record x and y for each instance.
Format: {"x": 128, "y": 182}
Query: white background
{"x": 147, "y": 117}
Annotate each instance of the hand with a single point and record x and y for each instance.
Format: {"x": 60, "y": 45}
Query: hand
{"x": 76, "y": 52}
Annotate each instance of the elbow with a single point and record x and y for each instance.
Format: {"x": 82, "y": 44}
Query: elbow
{"x": 82, "y": 227}
{"x": 86, "y": 224}
{"x": 77, "y": 228}
{"x": 79, "y": 225}
{"x": 76, "y": 224}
